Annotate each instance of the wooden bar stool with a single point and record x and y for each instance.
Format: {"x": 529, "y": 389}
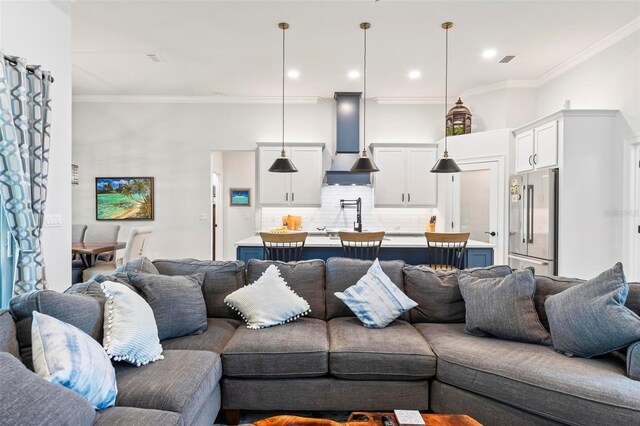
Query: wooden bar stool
{"x": 446, "y": 249}
{"x": 284, "y": 247}
{"x": 361, "y": 245}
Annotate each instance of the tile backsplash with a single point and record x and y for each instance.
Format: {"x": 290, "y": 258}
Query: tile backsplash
{"x": 332, "y": 216}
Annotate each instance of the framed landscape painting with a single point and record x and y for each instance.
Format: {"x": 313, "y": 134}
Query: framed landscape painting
{"x": 240, "y": 197}
{"x": 124, "y": 198}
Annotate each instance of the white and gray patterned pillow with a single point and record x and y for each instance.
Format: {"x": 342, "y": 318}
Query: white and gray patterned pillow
{"x": 130, "y": 331}
{"x": 268, "y": 301}
{"x": 375, "y": 299}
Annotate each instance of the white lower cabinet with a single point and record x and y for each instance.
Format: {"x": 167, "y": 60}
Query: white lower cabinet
{"x": 404, "y": 179}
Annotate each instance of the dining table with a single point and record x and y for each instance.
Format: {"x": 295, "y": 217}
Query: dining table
{"x": 89, "y": 252}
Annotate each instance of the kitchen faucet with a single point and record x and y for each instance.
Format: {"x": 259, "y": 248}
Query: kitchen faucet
{"x": 357, "y": 225}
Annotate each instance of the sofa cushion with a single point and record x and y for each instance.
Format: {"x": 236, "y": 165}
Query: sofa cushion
{"x": 28, "y": 399}
{"x": 182, "y": 383}
{"x": 295, "y": 349}
{"x": 590, "y": 319}
{"x": 176, "y": 301}
{"x": 80, "y": 311}
{"x": 438, "y": 293}
{"x": 131, "y": 416}
{"x": 93, "y": 289}
{"x": 219, "y": 332}
{"x": 503, "y": 307}
{"x": 306, "y": 278}
{"x": 396, "y": 352}
{"x": 220, "y": 279}
{"x": 535, "y": 378}
{"x": 344, "y": 272}
{"x": 8, "y": 336}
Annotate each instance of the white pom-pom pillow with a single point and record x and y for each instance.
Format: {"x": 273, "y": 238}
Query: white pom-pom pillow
{"x": 130, "y": 330}
{"x": 268, "y": 301}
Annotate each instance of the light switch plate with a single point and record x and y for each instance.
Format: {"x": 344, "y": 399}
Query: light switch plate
{"x": 52, "y": 220}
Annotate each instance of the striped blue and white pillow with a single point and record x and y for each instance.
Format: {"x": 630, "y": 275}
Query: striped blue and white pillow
{"x": 130, "y": 330}
{"x": 375, "y": 299}
{"x": 65, "y": 355}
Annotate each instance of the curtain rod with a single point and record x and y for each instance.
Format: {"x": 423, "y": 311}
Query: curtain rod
{"x": 30, "y": 68}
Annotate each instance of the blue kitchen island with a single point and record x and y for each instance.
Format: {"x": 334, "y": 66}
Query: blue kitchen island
{"x": 412, "y": 249}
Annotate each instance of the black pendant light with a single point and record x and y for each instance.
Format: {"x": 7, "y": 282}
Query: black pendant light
{"x": 446, "y": 164}
{"x": 282, "y": 163}
{"x": 364, "y": 164}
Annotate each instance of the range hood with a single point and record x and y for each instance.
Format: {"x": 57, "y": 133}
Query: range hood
{"x": 347, "y": 142}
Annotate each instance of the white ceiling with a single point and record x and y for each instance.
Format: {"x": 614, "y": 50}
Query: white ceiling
{"x": 234, "y": 47}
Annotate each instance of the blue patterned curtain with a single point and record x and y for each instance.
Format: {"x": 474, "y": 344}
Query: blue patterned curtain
{"x": 25, "y": 120}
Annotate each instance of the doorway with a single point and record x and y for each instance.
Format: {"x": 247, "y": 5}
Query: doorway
{"x": 216, "y": 216}
{"x": 477, "y": 200}
{"x": 632, "y": 213}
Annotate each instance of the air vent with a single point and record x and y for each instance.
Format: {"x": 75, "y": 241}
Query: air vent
{"x": 507, "y": 59}
{"x": 156, "y": 58}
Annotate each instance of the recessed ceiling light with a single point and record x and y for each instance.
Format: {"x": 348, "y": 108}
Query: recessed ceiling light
{"x": 353, "y": 74}
{"x": 293, "y": 74}
{"x": 489, "y": 53}
{"x": 414, "y": 74}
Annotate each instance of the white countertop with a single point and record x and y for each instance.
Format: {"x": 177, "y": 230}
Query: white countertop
{"x": 389, "y": 241}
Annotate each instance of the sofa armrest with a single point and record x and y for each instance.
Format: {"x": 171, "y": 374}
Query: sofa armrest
{"x": 633, "y": 361}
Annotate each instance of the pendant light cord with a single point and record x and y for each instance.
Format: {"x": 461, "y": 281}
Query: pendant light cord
{"x": 446, "y": 88}
{"x": 364, "y": 103}
{"x": 283, "y": 80}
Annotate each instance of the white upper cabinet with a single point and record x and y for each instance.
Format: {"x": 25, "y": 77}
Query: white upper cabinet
{"x": 306, "y": 185}
{"x": 421, "y": 183}
{"x": 537, "y": 148}
{"x": 546, "y": 154}
{"x": 404, "y": 179}
{"x": 524, "y": 151}
{"x": 389, "y": 182}
{"x": 303, "y": 188}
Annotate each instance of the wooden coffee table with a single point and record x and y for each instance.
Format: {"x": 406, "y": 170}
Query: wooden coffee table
{"x": 429, "y": 419}
{"x": 374, "y": 420}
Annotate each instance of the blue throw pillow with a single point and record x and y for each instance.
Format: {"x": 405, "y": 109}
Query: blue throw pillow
{"x": 375, "y": 299}
{"x": 590, "y": 319}
{"x": 65, "y": 355}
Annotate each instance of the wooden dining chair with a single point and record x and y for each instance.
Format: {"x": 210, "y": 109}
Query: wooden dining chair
{"x": 446, "y": 249}
{"x": 361, "y": 245}
{"x": 284, "y": 247}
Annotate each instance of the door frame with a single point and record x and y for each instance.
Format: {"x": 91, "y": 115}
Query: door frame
{"x": 500, "y": 241}
{"x": 631, "y": 213}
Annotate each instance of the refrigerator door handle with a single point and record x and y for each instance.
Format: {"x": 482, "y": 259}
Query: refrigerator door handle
{"x": 530, "y": 213}
{"x": 525, "y": 217}
{"x": 528, "y": 259}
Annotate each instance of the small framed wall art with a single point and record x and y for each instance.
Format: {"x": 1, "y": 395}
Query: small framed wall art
{"x": 240, "y": 197}
{"x": 124, "y": 198}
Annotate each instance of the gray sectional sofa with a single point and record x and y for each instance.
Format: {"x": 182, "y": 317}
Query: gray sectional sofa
{"x": 329, "y": 361}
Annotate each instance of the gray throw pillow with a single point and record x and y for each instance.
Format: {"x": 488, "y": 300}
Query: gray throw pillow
{"x": 590, "y": 319}
{"x": 140, "y": 264}
{"x": 503, "y": 307}
{"x": 177, "y": 302}
{"x": 437, "y": 292}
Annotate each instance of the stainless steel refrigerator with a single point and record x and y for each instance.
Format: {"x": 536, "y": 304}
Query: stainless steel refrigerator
{"x": 533, "y": 221}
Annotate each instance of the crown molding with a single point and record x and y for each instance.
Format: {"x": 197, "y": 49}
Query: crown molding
{"x": 504, "y": 84}
{"x": 608, "y": 41}
{"x": 194, "y": 99}
{"x": 412, "y": 101}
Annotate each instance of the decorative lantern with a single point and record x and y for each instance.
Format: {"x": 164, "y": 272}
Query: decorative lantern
{"x": 458, "y": 120}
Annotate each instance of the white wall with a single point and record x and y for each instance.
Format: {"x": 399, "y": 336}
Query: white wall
{"x": 172, "y": 142}
{"x": 239, "y": 221}
{"x": 41, "y": 32}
